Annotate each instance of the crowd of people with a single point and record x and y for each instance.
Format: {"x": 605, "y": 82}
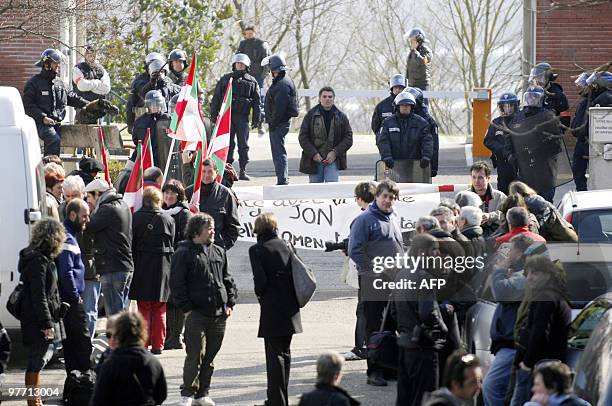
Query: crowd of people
{"x": 173, "y": 262}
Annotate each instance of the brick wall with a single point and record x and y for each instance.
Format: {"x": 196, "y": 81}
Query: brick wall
{"x": 18, "y": 55}
{"x": 570, "y": 36}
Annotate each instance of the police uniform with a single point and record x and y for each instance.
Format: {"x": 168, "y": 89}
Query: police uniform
{"x": 382, "y": 110}
{"x": 405, "y": 137}
{"x": 500, "y": 145}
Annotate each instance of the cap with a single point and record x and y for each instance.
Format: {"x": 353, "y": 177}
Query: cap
{"x": 97, "y": 185}
{"x": 90, "y": 165}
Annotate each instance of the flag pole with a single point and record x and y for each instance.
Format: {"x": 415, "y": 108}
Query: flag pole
{"x": 168, "y": 161}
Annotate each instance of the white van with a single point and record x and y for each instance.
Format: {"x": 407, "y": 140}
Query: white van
{"x": 23, "y": 192}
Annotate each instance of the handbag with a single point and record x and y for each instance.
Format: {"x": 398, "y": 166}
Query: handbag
{"x": 13, "y": 305}
{"x": 382, "y": 345}
{"x": 304, "y": 281}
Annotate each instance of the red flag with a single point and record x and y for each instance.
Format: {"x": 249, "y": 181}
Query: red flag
{"x": 134, "y": 188}
{"x": 219, "y": 144}
{"x": 104, "y": 156}
{"x": 194, "y": 204}
{"x": 147, "y": 152}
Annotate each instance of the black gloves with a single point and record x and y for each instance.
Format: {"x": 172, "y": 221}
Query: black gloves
{"x": 512, "y": 160}
{"x": 389, "y": 162}
{"x": 424, "y": 163}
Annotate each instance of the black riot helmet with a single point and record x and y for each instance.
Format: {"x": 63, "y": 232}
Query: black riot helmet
{"x": 418, "y": 34}
{"x": 50, "y": 55}
{"x": 276, "y": 62}
{"x": 177, "y": 55}
{"x": 507, "y": 104}
{"x": 397, "y": 80}
{"x": 542, "y": 74}
{"x": 416, "y": 93}
{"x": 533, "y": 96}
{"x": 155, "y": 102}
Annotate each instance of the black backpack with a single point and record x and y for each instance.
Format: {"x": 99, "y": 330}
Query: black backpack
{"x": 78, "y": 388}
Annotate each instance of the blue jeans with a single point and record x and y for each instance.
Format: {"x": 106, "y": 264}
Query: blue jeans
{"x": 51, "y": 139}
{"x": 279, "y": 153}
{"x": 115, "y": 288}
{"x": 498, "y": 376}
{"x": 91, "y": 294}
{"x": 325, "y": 173}
{"x": 522, "y": 388}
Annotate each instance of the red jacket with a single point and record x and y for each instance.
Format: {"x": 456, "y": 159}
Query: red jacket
{"x": 516, "y": 231}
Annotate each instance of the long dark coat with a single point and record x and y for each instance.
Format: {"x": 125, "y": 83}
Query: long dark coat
{"x": 280, "y": 312}
{"x": 152, "y": 249}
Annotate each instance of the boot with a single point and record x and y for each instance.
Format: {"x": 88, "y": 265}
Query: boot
{"x": 32, "y": 380}
{"x": 242, "y": 175}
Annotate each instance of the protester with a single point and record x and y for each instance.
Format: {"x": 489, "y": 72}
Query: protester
{"x": 280, "y": 312}
{"x": 41, "y": 308}
{"x": 71, "y": 276}
{"x": 111, "y": 228}
{"x": 88, "y": 169}
{"x": 552, "y": 385}
{"x": 175, "y": 205}
{"x": 462, "y": 383}
{"x": 544, "y": 333}
{"x": 203, "y": 288}
{"x": 491, "y": 199}
{"x": 466, "y": 198}
{"x": 469, "y": 222}
{"x": 375, "y": 232}
{"x": 325, "y": 137}
{"x": 515, "y": 200}
{"x": 153, "y": 177}
{"x": 72, "y": 188}
{"x": 131, "y": 376}
{"x": 111, "y": 340}
{"x": 518, "y": 223}
{"x": 54, "y": 179}
{"x": 152, "y": 249}
{"x": 327, "y": 392}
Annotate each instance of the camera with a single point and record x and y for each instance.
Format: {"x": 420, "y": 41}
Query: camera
{"x": 335, "y": 246}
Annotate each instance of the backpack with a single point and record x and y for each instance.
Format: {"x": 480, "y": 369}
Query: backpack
{"x": 78, "y": 388}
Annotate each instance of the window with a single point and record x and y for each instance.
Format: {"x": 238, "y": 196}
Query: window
{"x": 583, "y": 325}
{"x": 595, "y": 226}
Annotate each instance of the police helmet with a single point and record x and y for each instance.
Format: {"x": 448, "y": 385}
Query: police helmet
{"x": 416, "y": 33}
{"x": 542, "y": 74}
{"x": 153, "y": 56}
{"x": 507, "y": 104}
{"x": 601, "y": 79}
{"x": 177, "y": 55}
{"x": 533, "y": 96}
{"x": 155, "y": 102}
{"x": 416, "y": 93}
{"x": 276, "y": 62}
{"x": 156, "y": 65}
{"x": 397, "y": 80}
{"x": 241, "y": 58}
{"x": 90, "y": 48}
{"x": 404, "y": 98}
{"x": 50, "y": 55}
{"x": 581, "y": 80}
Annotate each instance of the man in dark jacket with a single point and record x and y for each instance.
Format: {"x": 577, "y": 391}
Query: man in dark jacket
{"x": 384, "y": 109}
{"x": 327, "y": 392}
{"x": 257, "y": 50}
{"x": 405, "y": 135}
{"x": 218, "y": 201}
{"x": 111, "y": 228}
{"x": 508, "y": 286}
{"x": 544, "y": 334}
{"x": 203, "y": 288}
{"x": 153, "y": 122}
{"x": 543, "y": 75}
{"x": 71, "y": 275}
{"x": 418, "y": 65}
{"x": 375, "y": 233}
{"x": 135, "y": 103}
{"x": 325, "y": 137}
{"x": 281, "y": 104}
{"x": 422, "y": 331}
{"x": 462, "y": 383}
{"x": 245, "y": 99}
{"x": 421, "y": 110}
{"x": 497, "y": 140}
{"x": 159, "y": 80}
{"x": 45, "y": 98}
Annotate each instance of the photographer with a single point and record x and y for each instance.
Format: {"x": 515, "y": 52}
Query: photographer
{"x": 418, "y": 65}
{"x": 364, "y": 195}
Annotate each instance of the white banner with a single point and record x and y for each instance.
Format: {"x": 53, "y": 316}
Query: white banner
{"x": 308, "y": 223}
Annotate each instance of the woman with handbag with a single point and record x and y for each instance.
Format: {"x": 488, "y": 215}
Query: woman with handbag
{"x": 39, "y": 305}
{"x": 152, "y": 249}
{"x": 280, "y": 311}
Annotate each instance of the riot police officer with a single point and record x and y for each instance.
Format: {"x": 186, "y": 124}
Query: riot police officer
{"x": 536, "y": 143}
{"x": 135, "y": 104}
{"x": 245, "y": 98}
{"x": 418, "y": 65}
{"x": 45, "y": 98}
{"x": 555, "y": 99}
{"x": 281, "y": 104}
{"x": 385, "y": 108}
{"x": 422, "y": 110}
{"x": 497, "y": 140}
{"x": 177, "y": 61}
{"x": 159, "y": 80}
{"x": 155, "y": 120}
{"x": 597, "y": 93}
{"x": 405, "y": 135}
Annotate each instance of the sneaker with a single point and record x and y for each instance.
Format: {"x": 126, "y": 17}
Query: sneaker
{"x": 243, "y": 175}
{"x": 186, "y": 401}
{"x": 351, "y": 356}
{"x": 203, "y": 401}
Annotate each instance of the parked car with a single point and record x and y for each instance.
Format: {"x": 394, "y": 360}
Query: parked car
{"x": 589, "y": 275}
{"x": 590, "y": 346}
{"x": 590, "y": 213}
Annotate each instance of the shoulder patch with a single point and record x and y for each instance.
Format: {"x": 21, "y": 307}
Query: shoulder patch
{"x": 394, "y": 129}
